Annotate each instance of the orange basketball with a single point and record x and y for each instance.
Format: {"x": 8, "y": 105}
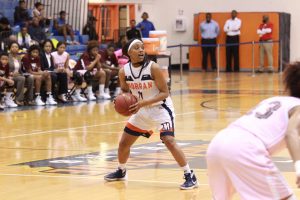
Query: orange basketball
{"x": 123, "y": 102}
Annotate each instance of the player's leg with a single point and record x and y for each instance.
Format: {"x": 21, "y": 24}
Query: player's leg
{"x": 250, "y": 169}
{"x": 135, "y": 127}
{"x": 189, "y": 176}
{"x": 125, "y": 143}
{"x": 163, "y": 117}
{"x": 219, "y": 182}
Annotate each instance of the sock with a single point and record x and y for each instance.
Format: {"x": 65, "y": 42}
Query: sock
{"x": 101, "y": 88}
{"x": 106, "y": 90}
{"x": 77, "y": 91}
{"x": 122, "y": 166}
{"x": 186, "y": 168}
{"x": 89, "y": 89}
{"x": 37, "y": 94}
{"x": 118, "y": 89}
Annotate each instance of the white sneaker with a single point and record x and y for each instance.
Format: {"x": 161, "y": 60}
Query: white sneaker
{"x": 91, "y": 96}
{"x": 38, "y": 101}
{"x": 104, "y": 96}
{"x": 10, "y": 103}
{"x": 2, "y": 106}
{"x": 78, "y": 97}
{"x": 50, "y": 100}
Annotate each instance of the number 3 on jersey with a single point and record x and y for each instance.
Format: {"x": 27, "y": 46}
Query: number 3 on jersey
{"x": 267, "y": 112}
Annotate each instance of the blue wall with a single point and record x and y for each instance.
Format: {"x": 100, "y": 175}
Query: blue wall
{"x": 7, "y": 9}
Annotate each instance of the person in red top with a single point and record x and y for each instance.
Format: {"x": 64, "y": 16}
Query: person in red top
{"x": 111, "y": 67}
{"x": 265, "y": 32}
{"x": 6, "y": 82}
{"x": 90, "y": 68}
{"x": 31, "y": 63}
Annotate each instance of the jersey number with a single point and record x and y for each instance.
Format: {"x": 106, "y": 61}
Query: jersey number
{"x": 273, "y": 106}
{"x": 140, "y": 95}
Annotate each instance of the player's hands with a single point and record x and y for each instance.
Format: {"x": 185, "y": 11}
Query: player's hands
{"x": 298, "y": 182}
{"x": 136, "y": 107}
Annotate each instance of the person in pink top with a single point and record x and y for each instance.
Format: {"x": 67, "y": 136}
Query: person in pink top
{"x": 239, "y": 156}
{"x": 122, "y": 59}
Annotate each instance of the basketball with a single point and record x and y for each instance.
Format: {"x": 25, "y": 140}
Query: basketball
{"x": 123, "y": 102}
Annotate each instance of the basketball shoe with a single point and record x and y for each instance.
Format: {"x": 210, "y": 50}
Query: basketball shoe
{"x": 118, "y": 175}
{"x": 190, "y": 181}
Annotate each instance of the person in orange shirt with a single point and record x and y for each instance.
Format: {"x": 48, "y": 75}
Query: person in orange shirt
{"x": 265, "y": 32}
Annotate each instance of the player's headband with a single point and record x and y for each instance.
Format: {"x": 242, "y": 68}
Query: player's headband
{"x": 133, "y": 43}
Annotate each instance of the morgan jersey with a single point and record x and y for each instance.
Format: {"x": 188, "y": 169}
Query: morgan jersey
{"x": 140, "y": 82}
{"x": 269, "y": 120}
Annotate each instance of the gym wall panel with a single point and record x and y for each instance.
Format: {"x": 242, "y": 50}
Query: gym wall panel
{"x": 250, "y": 23}
{"x": 77, "y": 10}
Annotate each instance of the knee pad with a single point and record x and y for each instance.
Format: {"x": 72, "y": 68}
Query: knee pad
{"x": 88, "y": 77}
{"x": 77, "y": 78}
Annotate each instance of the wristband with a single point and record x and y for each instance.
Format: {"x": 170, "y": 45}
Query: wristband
{"x": 297, "y": 167}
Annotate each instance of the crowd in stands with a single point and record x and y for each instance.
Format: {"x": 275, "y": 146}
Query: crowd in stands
{"x": 35, "y": 72}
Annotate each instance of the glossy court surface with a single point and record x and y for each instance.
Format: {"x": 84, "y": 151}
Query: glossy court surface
{"x": 62, "y": 153}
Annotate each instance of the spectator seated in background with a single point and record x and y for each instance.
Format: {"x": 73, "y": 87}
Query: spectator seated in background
{"x": 31, "y": 63}
{"x": 21, "y": 15}
{"x": 36, "y": 32}
{"x": 90, "y": 68}
{"x": 122, "y": 59}
{"x": 24, "y": 39}
{"x": 5, "y": 29}
{"x": 90, "y": 29}
{"x": 6, "y": 82}
{"x": 38, "y": 12}
{"x": 111, "y": 67}
{"x": 61, "y": 67}
{"x": 20, "y": 80}
{"x": 63, "y": 28}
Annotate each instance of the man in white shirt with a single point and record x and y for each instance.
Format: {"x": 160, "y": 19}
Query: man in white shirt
{"x": 232, "y": 28}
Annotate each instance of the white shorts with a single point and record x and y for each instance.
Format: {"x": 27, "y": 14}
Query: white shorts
{"x": 238, "y": 161}
{"x": 160, "y": 117}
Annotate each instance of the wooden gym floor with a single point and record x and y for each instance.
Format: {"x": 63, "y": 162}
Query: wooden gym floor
{"x": 62, "y": 153}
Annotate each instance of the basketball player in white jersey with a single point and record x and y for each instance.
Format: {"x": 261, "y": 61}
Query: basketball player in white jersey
{"x": 154, "y": 109}
{"x": 239, "y": 157}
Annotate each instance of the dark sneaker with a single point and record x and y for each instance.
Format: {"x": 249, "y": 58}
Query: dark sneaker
{"x": 190, "y": 181}
{"x": 118, "y": 175}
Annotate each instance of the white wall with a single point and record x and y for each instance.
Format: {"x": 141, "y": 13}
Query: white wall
{"x": 163, "y": 12}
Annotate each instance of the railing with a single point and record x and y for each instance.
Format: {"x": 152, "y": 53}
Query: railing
{"x": 218, "y": 54}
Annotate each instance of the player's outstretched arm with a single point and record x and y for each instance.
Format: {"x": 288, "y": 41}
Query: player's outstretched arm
{"x": 292, "y": 139}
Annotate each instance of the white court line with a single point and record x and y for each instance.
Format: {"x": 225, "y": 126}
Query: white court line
{"x": 80, "y": 127}
{"x": 91, "y": 177}
{"x": 59, "y": 130}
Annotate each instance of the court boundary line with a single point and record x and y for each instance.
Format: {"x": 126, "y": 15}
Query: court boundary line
{"x": 80, "y": 127}
{"x": 93, "y": 177}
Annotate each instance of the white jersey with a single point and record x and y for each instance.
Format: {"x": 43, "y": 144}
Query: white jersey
{"x": 141, "y": 84}
{"x": 60, "y": 60}
{"x": 268, "y": 121}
